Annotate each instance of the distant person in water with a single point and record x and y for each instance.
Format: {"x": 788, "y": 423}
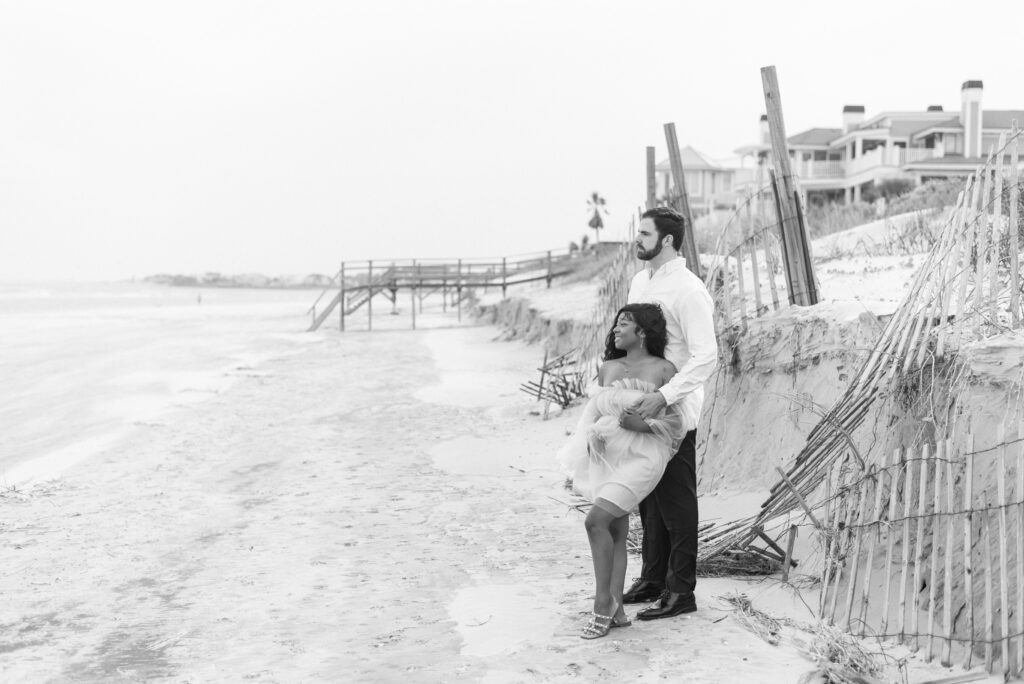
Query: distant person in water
{"x": 616, "y": 457}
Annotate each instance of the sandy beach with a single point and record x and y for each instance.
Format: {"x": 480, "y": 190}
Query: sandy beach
{"x": 382, "y": 507}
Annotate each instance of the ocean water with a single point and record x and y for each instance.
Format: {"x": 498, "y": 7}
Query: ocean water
{"x": 81, "y": 365}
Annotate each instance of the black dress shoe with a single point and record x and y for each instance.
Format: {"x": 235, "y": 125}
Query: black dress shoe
{"x": 642, "y": 591}
{"x": 670, "y": 605}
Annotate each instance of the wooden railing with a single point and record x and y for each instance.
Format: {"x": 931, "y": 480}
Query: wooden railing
{"x": 356, "y": 283}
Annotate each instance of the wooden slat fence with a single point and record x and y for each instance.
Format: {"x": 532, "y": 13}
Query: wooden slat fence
{"x": 746, "y": 275}
{"x": 941, "y": 534}
{"x": 927, "y": 550}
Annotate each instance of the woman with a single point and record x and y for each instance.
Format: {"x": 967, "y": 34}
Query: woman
{"x": 616, "y": 457}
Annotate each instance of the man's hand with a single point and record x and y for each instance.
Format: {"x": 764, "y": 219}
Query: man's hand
{"x": 631, "y": 420}
{"x": 650, "y": 404}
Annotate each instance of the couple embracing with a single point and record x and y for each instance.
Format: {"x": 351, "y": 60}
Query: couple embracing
{"x": 635, "y": 444}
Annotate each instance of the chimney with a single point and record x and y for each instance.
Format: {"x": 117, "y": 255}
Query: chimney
{"x": 934, "y": 108}
{"x": 853, "y": 115}
{"x": 970, "y": 117}
{"x": 764, "y": 134}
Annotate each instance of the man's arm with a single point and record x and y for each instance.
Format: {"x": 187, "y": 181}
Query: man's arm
{"x": 696, "y": 316}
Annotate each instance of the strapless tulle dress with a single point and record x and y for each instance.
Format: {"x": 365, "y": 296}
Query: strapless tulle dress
{"x": 618, "y": 465}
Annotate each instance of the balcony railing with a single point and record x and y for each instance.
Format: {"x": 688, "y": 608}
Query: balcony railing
{"x": 916, "y": 154}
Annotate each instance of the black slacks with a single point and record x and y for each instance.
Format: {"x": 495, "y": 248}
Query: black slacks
{"x": 669, "y": 519}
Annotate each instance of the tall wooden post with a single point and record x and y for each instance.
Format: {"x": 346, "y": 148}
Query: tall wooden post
{"x": 682, "y": 199}
{"x": 652, "y": 181}
{"x": 549, "y": 269}
{"x": 504, "y": 276}
{"x": 1013, "y": 235}
{"x": 798, "y": 269}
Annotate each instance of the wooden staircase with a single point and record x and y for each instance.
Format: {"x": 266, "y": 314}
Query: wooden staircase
{"x": 353, "y": 298}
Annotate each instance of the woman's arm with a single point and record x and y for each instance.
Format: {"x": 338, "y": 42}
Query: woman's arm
{"x": 632, "y": 420}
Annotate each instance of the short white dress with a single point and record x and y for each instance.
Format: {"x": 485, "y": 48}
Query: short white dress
{"x": 610, "y": 462}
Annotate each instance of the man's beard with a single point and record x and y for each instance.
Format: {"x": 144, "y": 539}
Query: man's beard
{"x": 648, "y": 254}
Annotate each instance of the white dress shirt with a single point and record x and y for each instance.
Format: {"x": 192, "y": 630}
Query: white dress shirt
{"x": 692, "y": 348}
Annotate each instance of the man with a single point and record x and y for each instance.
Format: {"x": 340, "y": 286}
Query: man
{"x": 669, "y": 513}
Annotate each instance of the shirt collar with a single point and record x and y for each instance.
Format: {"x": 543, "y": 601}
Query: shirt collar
{"x": 668, "y": 267}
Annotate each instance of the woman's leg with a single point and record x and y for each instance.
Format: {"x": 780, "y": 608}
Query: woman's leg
{"x": 600, "y": 520}
{"x": 619, "y": 530}
{"x": 598, "y": 524}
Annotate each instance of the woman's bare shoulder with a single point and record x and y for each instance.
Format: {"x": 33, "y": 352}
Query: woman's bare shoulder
{"x": 668, "y": 369}
{"x": 610, "y": 370}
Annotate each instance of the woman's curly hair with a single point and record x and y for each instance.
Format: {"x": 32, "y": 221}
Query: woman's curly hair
{"x": 650, "y": 321}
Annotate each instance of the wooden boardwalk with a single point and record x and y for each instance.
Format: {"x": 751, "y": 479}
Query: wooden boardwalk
{"x": 357, "y": 283}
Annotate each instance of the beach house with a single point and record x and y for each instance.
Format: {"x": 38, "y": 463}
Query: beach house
{"x": 709, "y": 185}
{"x": 843, "y": 164}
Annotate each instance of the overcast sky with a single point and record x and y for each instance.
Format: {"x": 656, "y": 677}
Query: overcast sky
{"x": 140, "y": 137}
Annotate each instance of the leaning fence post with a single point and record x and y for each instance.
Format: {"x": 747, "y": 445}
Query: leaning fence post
{"x": 800, "y": 277}
{"x": 651, "y": 180}
{"x": 683, "y": 199}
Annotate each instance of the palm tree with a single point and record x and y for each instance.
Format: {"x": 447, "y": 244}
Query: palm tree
{"x": 596, "y": 205}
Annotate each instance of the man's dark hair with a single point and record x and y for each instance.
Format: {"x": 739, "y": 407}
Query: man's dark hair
{"x": 668, "y": 221}
{"x": 650, "y": 321}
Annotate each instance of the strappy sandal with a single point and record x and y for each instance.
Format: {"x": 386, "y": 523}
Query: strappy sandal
{"x": 598, "y": 626}
{"x": 626, "y": 622}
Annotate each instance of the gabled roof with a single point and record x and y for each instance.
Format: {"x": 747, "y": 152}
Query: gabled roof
{"x": 1002, "y": 118}
{"x": 692, "y": 159}
{"x": 815, "y": 136}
